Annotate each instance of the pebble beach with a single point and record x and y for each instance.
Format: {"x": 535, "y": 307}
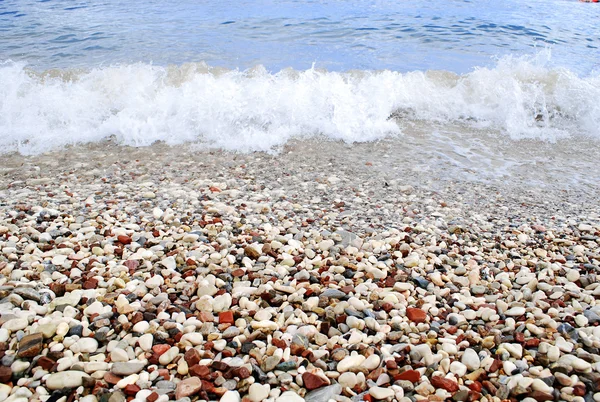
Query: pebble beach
{"x": 317, "y": 274}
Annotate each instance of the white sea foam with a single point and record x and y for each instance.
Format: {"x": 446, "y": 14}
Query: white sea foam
{"x": 253, "y": 110}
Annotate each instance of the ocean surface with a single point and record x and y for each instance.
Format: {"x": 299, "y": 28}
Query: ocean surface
{"x": 451, "y": 77}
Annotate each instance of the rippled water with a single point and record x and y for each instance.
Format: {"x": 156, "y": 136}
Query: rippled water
{"x": 337, "y": 35}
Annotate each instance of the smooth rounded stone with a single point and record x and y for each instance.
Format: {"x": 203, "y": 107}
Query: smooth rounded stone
{"x": 515, "y": 311}
{"x": 28, "y": 293}
{"x": 66, "y": 379}
{"x": 553, "y": 353}
{"x": 289, "y": 396}
{"x": 263, "y": 315}
{"x": 222, "y": 303}
{"x": 350, "y": 362}
{"x": 381, "y": 393}
{"x": 470, "y": 358}
{"x": 575, "y": 363}
{"x": 19, "y": 366}
{"x": 129, "y": 380}
{"x": 188, "y": 387}
{"x": 195, "y": 338}
{"x": 145, "y": 341}
{"x": 269, "y": 363}
{"x": 94, "y": 308}
{"x": 168, "y": 356}
{"x": 231, "y": 396}
{"x": 268, "y": 325}
{"x": 348, "y": 379}
{"x": 539, "y": 385}
{"x": 372, "y": 362}
{"x": 5, "y": 391}
{"x": 62, "y": 329}
{"x": 4, "y": 335}
{"x": 127, "y": 368}
{"x": 231, "y": 332}
{"x": 334, "y": 294}
{"x": 141, "y": 327}
{"x": 573, "y": 275}
{"x": 119, "y": 355}
{"x": 258, "y": 392}
{"x": 167, "y": 385}
{"x": 154, "y": 282}
{"x": 85, "y": 345}
{"x": 16, "y": 324}
{"x": 458, "y": 368}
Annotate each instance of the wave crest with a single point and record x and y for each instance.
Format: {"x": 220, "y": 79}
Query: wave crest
{"x": 255, "y": 110}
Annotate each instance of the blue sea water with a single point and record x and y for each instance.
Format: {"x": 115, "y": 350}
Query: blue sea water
{"x": 454, "y": 35}
{"x": 251, "y": 75}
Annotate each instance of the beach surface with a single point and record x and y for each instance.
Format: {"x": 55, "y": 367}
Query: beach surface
{"x": 323, "y": 272}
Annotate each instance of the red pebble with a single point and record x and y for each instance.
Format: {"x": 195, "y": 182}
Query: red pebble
{"x": 444, "y": 383}
{"x": 226, "y": 317}
{"x": 131, "y": 389}
{"x": 475, "y": 386}
{"x": 160, "y": 349}
{"x": 312, "y": 381}
{"x": 416, "y": 315}
{"x": 408, "y": 375}
{"x": 124, "y": 239}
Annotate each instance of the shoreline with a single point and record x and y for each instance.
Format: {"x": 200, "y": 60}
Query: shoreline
{"x": 327, "y": 270}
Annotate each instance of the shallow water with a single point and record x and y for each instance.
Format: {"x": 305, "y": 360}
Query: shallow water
{"x": 478, "y": 90}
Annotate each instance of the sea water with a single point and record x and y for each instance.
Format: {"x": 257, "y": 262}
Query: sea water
{"x": 452, "y": 77}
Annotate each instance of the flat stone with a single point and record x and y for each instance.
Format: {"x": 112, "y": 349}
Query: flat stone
{"x": 381, "y": 393}
{"x": 416, "y": 315}
{"x": 334, "y": 294}
{"x": 28, "y": 293}
{"x": 127, "y": 368}
{"x": 444, "y": 383}
{"x": 66, "y": 379}
{"x": 470, "y": 358}
{"x": 30, "y": 345}
{"x": 258, "y": 392}
{"x": 188, "y": 387}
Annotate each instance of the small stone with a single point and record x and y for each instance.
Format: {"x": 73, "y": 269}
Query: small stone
{"x": 515, "y": 311}
{"x": 470, "y": 358}
{"x": 251, "y": 252}
{"x": 444, "y": 383}
{"x": 231, "y": 396}
{"x": 313, "y": 381}
{"x": 347, "y": 380}
{"x": 269, "y": 363}
{"x": 381, "y": 393}
{"x": 416, "y": 315}
{"x": 66, "y": 379}
{"x": 226, "y": 317}
{"x": 258, "y": 392}
{"x": 127, "y": 368}
{"x": 188, "y": 387}
{"x": 30, "y": 345}
{"x": 408, "y": 375}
